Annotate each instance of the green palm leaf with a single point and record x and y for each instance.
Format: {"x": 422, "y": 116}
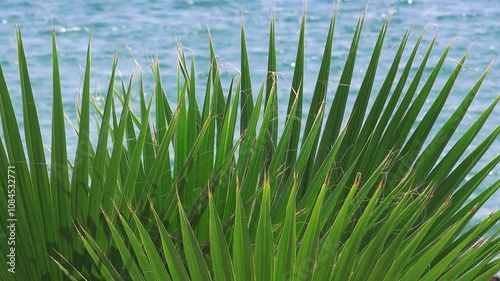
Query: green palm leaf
{"x": 179, "y": 193}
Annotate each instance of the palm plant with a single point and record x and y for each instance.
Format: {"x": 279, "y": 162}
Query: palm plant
{"x": 184, "y": 196}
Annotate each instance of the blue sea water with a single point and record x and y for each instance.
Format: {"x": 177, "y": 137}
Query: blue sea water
{"x": 146, "y": 29}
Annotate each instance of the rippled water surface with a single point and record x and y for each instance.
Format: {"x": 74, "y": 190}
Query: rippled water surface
{"x": 146, "y": 29}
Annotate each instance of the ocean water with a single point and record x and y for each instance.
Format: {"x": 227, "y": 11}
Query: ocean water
{"x": 147, "y": 29}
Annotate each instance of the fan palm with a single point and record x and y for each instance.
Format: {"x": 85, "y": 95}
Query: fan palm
{"x": 184, "y": 196}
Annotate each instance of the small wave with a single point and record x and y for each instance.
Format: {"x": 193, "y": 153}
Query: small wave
{"x": 72, "y": 29}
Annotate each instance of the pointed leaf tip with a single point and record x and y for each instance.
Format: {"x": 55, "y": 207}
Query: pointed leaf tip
{"x": 453, "y": 40}
{"x": 490, "y": 66}
{"x": 357, "y": 180}
{"x": 381, "y": 184}
{"x": 325, "y": 181}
